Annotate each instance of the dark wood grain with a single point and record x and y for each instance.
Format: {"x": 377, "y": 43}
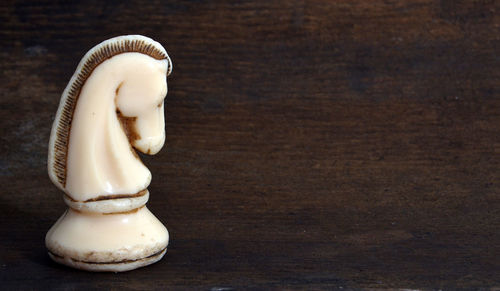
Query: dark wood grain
{"x": 310, "y": 144}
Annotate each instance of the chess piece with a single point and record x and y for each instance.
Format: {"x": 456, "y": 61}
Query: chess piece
{"x": 112, "y": 106}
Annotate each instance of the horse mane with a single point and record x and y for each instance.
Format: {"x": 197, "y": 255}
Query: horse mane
{"x": 59, "y": 139}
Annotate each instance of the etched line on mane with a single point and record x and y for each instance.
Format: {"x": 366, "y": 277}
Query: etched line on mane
{"x": 101, "y": 53}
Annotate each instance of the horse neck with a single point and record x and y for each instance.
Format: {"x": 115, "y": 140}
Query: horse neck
{"x": 100, "y": 158}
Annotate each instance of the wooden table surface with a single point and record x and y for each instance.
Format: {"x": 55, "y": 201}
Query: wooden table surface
{"x": 310, "y": 144}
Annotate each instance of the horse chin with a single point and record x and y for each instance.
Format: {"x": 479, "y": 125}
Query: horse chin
{"x": 149, "y": 146}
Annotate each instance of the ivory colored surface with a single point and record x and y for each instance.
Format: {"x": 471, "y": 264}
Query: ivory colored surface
{"x": 118, "y": 107}
{"x": 100, "y": 159}
{"x": 91, "y": 237}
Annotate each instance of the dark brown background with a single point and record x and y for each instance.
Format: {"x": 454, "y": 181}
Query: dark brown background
{"x": 310, "y": 144}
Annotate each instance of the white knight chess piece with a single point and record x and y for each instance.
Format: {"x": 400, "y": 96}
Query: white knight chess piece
{"x": 112, "y": 106}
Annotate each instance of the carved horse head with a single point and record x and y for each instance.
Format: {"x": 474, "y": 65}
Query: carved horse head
{"x": 112, "y": 105}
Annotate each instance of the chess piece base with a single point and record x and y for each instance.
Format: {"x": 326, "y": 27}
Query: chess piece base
{"x": 108, "y": 267}
{"x": 107, "y": 242}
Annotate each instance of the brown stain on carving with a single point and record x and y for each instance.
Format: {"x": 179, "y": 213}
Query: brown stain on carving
{"x": 111, "y": 49}
{"x": 128, "y": 126}
{"x": 111, "y": 262}
{"x": 125, "y": 212}
{"x": 70, "y": 198}
{"x": 110, "y": 197}
{"x": 117, "y": 196}
{"x": 117, "y": 90}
